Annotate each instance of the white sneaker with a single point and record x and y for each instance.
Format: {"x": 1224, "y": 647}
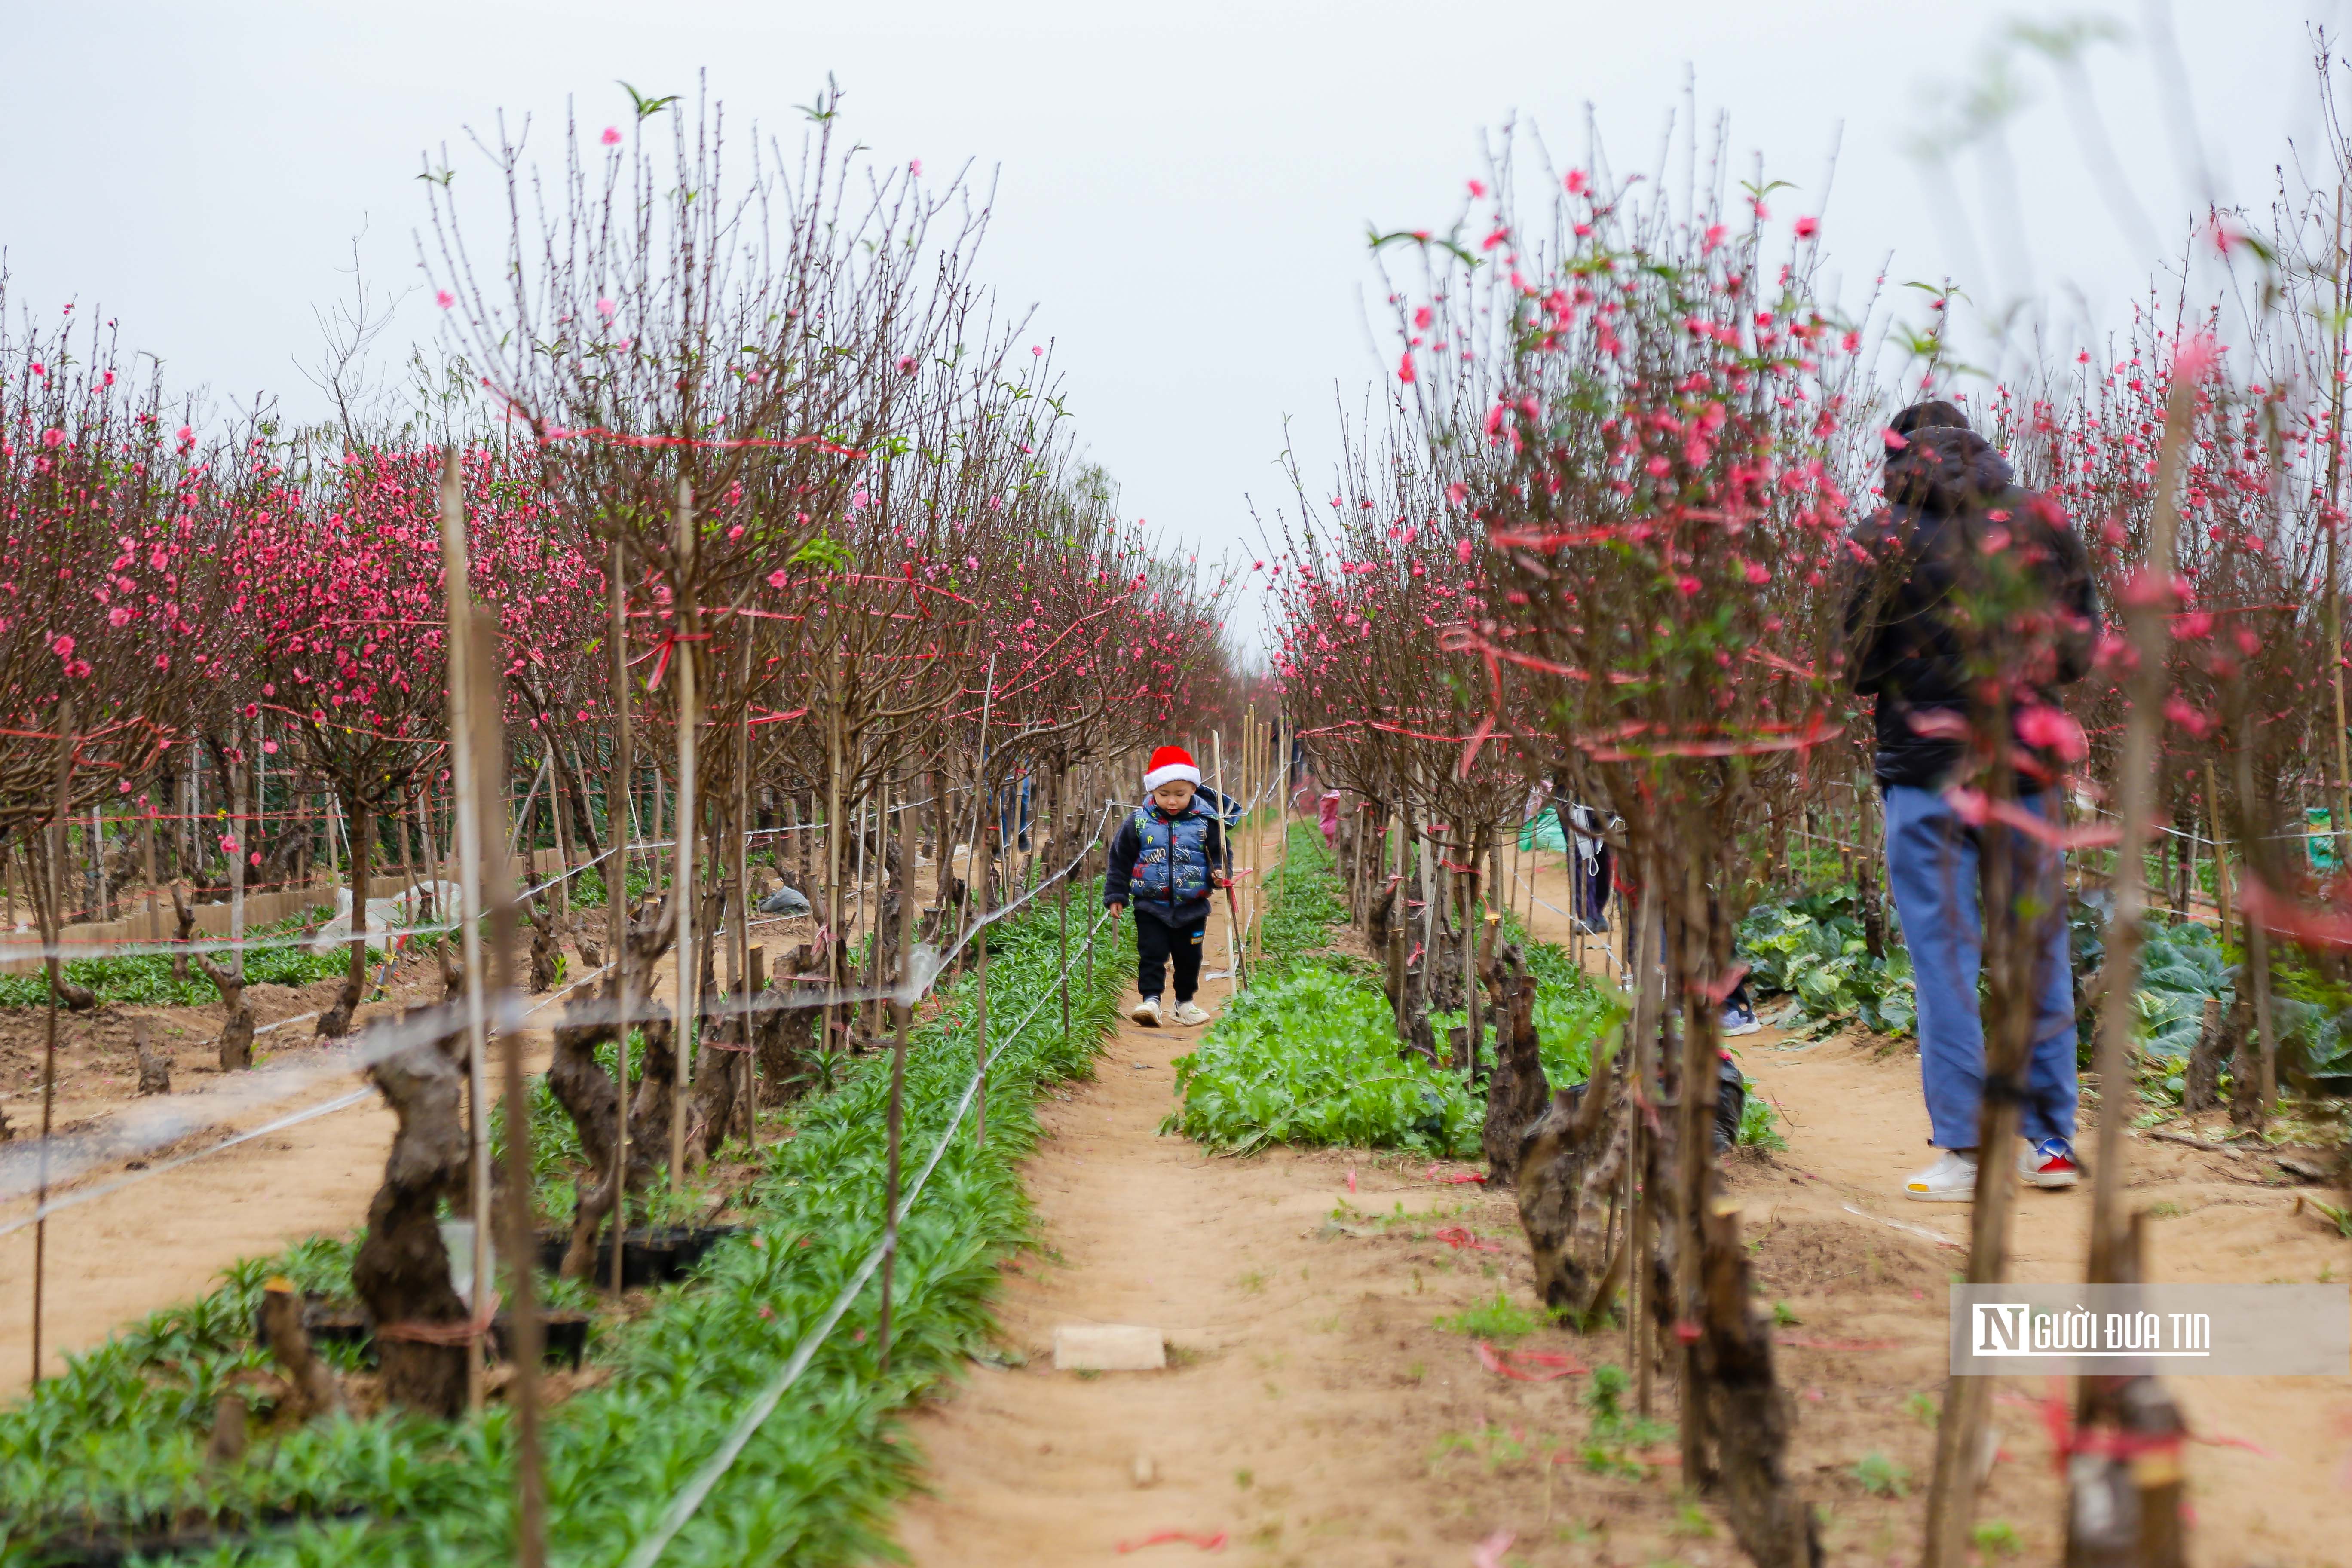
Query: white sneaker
{"x": 1188, "y": 1015}
{"x": 1146, "y": 1012}
{"x": 1952, "y": 1179}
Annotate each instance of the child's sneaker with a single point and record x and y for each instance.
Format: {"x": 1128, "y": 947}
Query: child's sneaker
{"x": 1188, "y": 1015}
{"x": 1739, "y": 1018}
{"x": 2049, "y": 1163}
{"x": 1952, "y": 1179}
{"x": 1146, "y": 1012}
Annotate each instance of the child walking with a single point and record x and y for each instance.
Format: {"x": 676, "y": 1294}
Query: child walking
{"x": 1169, "y": 854}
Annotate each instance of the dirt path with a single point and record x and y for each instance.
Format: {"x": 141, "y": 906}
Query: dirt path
{"x": 1315, "y": 1411}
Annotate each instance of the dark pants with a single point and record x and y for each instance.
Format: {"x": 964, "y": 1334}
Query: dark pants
{"x": 1155, "y": 945}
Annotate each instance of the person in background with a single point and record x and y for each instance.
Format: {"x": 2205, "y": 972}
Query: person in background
{"x": 1954, "y": 516}
{"x": 1328, "y": 818}
{"x": 1591, "y": 872}
{"x": 1168, "y": 856}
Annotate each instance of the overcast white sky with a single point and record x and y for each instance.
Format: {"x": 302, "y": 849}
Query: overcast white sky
{"x": 1183, "y": 190}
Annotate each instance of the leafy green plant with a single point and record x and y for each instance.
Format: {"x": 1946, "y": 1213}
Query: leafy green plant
{"x": 1996, "y": 1538}
{"x": 1881, "y": 1477}
{"x": 116, "y": 1443}
{"x": 1760, "y": 1124}
{"x": 1616, "y": 1432}
{"x": 1812, "y": 947}
{"x": 1500, "y": 1319}
{"x": 145, "y": 979}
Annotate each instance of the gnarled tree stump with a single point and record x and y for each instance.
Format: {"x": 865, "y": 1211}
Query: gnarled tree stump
{"x": 402, "y": 1272}
{"x": 1516, "y": 1090}
{"x": 1747, "y": 1411}
{"x": 1570, "y": 1166}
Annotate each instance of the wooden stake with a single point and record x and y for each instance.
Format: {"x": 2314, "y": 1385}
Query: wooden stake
{"x": 618, "y": 830}
{"x": 50, "y": 927}
{"x": 740, "y": 949}
{"x": 463, "y": 738}
{"x": 2114, "y": 1255}
{"x": 902, "y": 1011}
{"x": 688, "y": 823}
{"x": 983, "y": 814}
{"x": 488, "y": 756}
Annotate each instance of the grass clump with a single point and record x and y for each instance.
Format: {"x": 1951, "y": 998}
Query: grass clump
{"x": 1500, "y": 1319}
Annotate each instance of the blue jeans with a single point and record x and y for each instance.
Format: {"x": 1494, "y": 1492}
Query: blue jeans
{"x": 1932, "y": 868}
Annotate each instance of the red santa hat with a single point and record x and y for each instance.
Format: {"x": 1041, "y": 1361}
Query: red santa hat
{"x": 1169, "y": 764}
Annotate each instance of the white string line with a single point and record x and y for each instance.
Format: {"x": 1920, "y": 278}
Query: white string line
{"x": 52, "y": 1205}
{"x": 14, "y": 951}
{"x": 160, "y": 1122}
{"x": 690, "y": 1497}
{"x": 86, "y": 1194}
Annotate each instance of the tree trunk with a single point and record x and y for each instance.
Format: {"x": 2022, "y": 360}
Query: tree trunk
{"x": 1749, "y": 1413}
{"x": 311, "y": 1387}
{"x": 1517, "y": 1092}
{"x": 402, "y": 1272}
{"x": 2202, "y": 1089}
{"x": 154, "y": 1068}
{"x": 47, "y": 916}
{"x": 590, "y": 1096}
{"x": 337, "y": 1019}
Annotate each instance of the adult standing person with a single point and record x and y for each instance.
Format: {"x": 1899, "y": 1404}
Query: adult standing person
{"x": 1924, "y": 641}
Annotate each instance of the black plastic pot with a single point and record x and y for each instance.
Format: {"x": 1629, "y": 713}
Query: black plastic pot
{"x": 565, "y": 1335}
{"x": 95, "y": 1549}
{"x": 648, "y": 1256}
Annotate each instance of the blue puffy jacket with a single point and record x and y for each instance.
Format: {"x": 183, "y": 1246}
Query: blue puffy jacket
{"x": 1163, "y": 864}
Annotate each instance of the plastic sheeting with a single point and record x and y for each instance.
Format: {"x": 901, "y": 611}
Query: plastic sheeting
{"x": 387, "y": 917}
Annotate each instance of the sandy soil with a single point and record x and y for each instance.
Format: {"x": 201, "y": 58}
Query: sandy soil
{"x": 1313, "y": 1410}
{"x": 115, "y": 1258}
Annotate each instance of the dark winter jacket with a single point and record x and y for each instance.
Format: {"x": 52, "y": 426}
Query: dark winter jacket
{"x": 1165, "y": 865}
{"x": 1958, "y": 535}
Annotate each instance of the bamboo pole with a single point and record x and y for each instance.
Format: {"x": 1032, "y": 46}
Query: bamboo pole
{"x": 2150, "y": 633}
{"x": 982, "y": 800}
{"x": 49, "y": 927}
{"x": 468, "y": 779}
{"x": 618, "y": 829}
{"x": 902, "y": 1013}
{"x": 2339, "y": 799}
{"x": 688, "y": 972}
{"x": 740, "y": 951}
{"x": 495, "y": 887}
{"x": 154, "y": 909}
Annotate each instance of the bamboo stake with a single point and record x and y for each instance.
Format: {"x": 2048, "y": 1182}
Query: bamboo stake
{"x": 523, "y": 1393}
{"x": 982, "y": 802}
{"x": 462, "y": 742}
{"x": 902, "y": 1012}
{"x": 154, "y": 909}
{"x": 1643, "y": 1042}
{"x": 687, "y": 822}
{"x": 617, "y": 888}
{"x": 2150, "y": 633}
{"x": 740, "y": 950}
{"x": 2339, "y": 799}
{"x": 2220, "y": 846}
{"x": 50, "y": 926}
